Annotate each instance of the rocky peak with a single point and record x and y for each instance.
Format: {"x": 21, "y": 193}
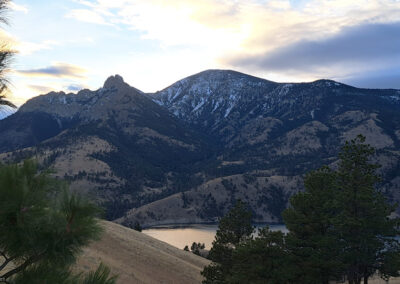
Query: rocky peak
{"x": 115, "y": 81}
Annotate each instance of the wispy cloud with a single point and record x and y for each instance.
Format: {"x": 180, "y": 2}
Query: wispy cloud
{"x": 88, "y": 16}
{"x": 40, "y": 89}
{"x": 75, "y": 87}
{"x": 354, "y": 48}
{"x": 57, "y": 70}
{"x": 17, "y": 7}
{"x": 28, "y": 48}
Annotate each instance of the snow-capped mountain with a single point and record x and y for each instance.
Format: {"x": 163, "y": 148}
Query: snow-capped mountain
{"x": 215, "y": 92}
{"x": 222, "y": 102}
{"x": 184, "y": 154}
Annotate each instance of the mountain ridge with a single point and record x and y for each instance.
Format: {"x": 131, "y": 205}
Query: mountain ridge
{"x": 188, "y": 151}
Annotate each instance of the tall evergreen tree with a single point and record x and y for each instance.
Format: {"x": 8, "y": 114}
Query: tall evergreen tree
{"x": 364, "y": 228}
{"x": 264, "y": 259}
{"x": 311, "y": 239}
{"x": 340, "y": 225}
{"x": 234, "y": 228}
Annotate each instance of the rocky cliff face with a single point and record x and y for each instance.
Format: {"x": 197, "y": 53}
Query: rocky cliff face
{"x": 184, "y": 154}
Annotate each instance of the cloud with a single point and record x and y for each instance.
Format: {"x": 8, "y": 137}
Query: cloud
{"x": 58, "y": 70}
{"x": 75, "y": 87}
{"x": 88, "y": 16}
{"x": 40, "y": 89}
{"x": 20, "y": 8}
{"x": 304, "y": 39}
{"x": 28, "y": 48}
{"x": 234, "y": 27}
{"x": 46, "y": 89}
{"x": 386, "y": 78}
{"x": 352, "y": 49}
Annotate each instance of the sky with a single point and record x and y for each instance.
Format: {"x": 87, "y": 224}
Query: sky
{"x": 67, "y": 45}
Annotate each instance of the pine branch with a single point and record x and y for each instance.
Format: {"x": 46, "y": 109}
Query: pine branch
{"x": 22, "y": 267}
{"x": 7, "y": 260}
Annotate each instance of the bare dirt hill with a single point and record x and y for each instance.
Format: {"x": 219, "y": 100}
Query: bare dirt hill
{"x": 138, "y": 258}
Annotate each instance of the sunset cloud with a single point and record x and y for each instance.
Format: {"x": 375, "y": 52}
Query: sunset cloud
{"x": 40, "y": 89}
{"x": 251, "y": 29}
{"x": 154, "y": 43}
{"x": 351, "y": 49}
{"x": 57, "y": 70}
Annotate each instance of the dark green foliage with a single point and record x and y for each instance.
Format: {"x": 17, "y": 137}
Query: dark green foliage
{"x": 185, "y": 200}
{"x": 311, "y": 239}
{"x": 261, "y": 260}
{"x": 209, "y": 208}
{"x": 42, "y": 225}
{"x": 340, "y": 225}
{"x": 43, "y": 274}
{"x": 277, "y": 201}
{"x": 362, "y": 223}
{"x": 101, "y": 276}
{"x": 6, "y": 55}
{"x": 234, "y": 228}
{"x": 137, "y": 227}
{"x": 248, "y": 178}
{"x": 197, "y": 247}
{"x": 186, "y": 248}
{"x": 339, "y": 228}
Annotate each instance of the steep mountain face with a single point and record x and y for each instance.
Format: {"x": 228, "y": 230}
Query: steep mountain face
{"x": 223, "y": 102}
{"x": 186, "y": 153}
{"x": 114, "y": 143}
{"x": 265, "y": 124}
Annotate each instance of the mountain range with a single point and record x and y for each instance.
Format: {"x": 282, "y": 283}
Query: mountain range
{"x": 186, "y": 153}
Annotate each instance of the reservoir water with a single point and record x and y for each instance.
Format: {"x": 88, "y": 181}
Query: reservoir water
{"x": 186, "y": 235}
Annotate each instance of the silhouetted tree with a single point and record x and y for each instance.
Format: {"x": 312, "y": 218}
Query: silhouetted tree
{"x": 5, "y": 56}
{"x": 264, "y": 259}
{"x": 340, "y": 226}
{"x": 312, "y": 240}
{"x": 362, "y": 224}
{"x": 233, "y": 229}
{"x": 42, "y": 226}
{"x": 137, "y": 227}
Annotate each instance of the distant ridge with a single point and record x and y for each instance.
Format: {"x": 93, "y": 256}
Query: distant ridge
{"x": 185, "y": 153}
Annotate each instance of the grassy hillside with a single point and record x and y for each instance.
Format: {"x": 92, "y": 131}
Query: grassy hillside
{"x": 138, "y": 258}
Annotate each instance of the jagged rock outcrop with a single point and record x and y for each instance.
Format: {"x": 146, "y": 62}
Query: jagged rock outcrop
{"x": 184, "y": 154}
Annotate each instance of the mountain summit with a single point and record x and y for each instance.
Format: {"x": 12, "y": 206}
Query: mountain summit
{"x": 115, "y": 81}
{"x": 186, "y": 153}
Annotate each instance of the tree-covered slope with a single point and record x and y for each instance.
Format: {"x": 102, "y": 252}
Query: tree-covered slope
{"x": 184, "y": 154}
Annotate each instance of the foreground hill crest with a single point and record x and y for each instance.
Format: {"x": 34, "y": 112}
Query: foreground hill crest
{"x": 186, "y": 153}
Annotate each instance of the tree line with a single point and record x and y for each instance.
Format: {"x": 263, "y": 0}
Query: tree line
{"x": 340, "y": 228}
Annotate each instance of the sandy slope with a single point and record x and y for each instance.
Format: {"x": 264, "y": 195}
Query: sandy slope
{"x": 138, "y": 258}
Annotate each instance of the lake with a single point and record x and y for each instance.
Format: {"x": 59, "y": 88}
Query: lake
{"x": 186, "y": 235}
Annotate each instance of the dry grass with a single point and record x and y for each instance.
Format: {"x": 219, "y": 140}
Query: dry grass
{"x": 138, "y": 258}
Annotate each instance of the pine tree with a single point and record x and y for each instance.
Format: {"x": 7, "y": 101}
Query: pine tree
{"x": 264, "y": 259}
{"x": 340, "y": 226}
{"x": 311, "y": 240}
{"x": 43, "y": 227}
{"x": 6, "y": 55}
{"x": 233, "y": 229}
{"x": 364, "y": 228}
